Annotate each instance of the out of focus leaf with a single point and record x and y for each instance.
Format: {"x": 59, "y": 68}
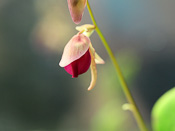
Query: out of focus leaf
{"x": 163, "y": 113}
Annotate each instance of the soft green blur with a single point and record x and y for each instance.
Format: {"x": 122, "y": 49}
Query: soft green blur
{"x": 163, "y": 115}
{"x": 37, "y": 94}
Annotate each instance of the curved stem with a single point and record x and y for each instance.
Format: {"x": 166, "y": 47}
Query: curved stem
{"x": 125, "y": 88}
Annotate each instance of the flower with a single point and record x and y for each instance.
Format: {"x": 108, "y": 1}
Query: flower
{"x": 76, "y": 8}
{"x": 76, "y": 57}
{"x": 79, "y": 55}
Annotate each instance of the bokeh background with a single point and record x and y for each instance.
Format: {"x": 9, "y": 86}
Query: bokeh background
{"x": 37, "y": 94}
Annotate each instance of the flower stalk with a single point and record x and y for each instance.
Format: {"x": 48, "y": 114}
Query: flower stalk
{"x": 123, "y": 83}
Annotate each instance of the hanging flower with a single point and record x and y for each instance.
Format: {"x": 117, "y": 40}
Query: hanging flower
{"x": 79, "y": 55}
{"x": 76, "y": 8}
{"x": 76, "y": 57}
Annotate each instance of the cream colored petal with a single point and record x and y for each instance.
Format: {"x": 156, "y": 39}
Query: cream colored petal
{"x": 98, "y": 59}
{"x": 87, "y": 29}
{"x": 75, "y": 48}
{"x": 93, "y": 70}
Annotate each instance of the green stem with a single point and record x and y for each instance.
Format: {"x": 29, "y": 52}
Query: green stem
{"x": 125, "y": 88}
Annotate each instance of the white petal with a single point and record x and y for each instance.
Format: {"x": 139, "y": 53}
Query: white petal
{"x": 74, "y": 49}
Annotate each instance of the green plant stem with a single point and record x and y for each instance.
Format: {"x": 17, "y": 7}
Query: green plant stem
{"x": 125, "y": 88}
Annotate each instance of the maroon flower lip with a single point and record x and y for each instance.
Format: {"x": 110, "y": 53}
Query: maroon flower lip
{"x": 79, "y": 66}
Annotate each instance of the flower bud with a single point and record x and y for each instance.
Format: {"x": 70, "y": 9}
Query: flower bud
{"x": 76, "y": 8}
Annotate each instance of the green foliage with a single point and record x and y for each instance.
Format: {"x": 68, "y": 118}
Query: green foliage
{"x": 109, "y": 118}
{"x": 163, "y": 113}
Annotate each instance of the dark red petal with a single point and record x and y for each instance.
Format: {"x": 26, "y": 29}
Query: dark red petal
{"x": 79, "y": 66}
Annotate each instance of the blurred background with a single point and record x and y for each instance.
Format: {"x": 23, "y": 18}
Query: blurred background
{"x": 37, "y": 94}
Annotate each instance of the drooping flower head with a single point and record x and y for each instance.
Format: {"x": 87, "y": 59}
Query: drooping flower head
{"x": 76, "y": 58}
{"x": 76, "y": 8}
{"x": 79, "y": 55}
